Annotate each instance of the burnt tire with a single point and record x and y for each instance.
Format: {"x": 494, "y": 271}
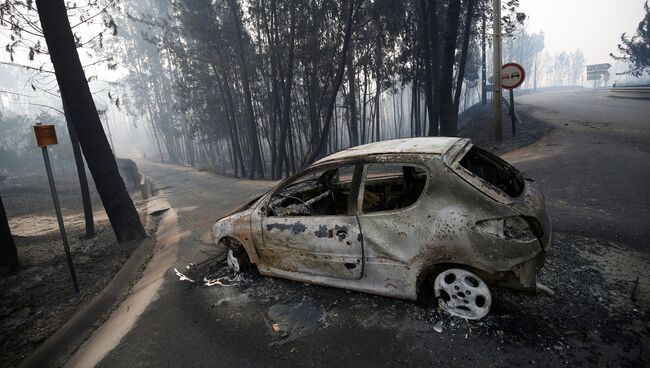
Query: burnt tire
{"x": 237, "y": 260}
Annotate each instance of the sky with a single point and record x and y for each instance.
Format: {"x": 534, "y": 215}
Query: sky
{"x": 593, "y": 26}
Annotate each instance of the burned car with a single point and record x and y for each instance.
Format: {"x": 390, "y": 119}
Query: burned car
{"x": 390, "y": 217}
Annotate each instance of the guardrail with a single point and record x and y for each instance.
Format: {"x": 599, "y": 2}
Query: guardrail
{"x": 630, "y": 92}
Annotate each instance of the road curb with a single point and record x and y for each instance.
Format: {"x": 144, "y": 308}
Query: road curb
{"x": 639, "y": 92}
{"x": 66, "y": 340}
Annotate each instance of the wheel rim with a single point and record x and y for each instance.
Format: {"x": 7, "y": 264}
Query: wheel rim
{"x": 233, "y": 261}
{"x": 462, "y": 294}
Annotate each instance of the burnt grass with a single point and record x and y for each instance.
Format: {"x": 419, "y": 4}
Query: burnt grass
{"x": 476, "y": 123}
{"x": 40, "y": 298}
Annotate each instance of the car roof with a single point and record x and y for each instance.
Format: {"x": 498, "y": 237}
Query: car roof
{"x": 424, "y": 145}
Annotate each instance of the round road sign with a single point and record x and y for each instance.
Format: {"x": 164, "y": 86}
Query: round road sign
{"x": 512, "y": 75}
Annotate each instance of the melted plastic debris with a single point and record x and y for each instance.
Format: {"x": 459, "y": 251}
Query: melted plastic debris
{"x": 438, "y": 327}
{"x": 182, "y": 277}
{"x": 214, "y": 272}
{"x": 223, "y": 281}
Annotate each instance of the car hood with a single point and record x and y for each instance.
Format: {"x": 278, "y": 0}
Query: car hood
{"x": 247, "y": 206}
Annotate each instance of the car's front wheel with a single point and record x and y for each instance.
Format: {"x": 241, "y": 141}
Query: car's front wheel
{"x": 237, "y": 260}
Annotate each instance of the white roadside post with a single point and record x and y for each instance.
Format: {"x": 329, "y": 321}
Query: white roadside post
{"x": 45, "y": 136}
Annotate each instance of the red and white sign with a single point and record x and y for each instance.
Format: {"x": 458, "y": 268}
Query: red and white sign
{"x": 512, "y": 75}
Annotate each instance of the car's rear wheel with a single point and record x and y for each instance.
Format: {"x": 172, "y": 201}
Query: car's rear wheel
{"x": 462, "y": 294}
{"x": 237, "y": 260}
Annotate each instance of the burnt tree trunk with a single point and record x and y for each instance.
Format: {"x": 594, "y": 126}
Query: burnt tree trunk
{"x": 364, "y": 107}
{"x": 286, "y": 109}
{"x": 378, "y": 62}
{"x": 434, "y": 46}
{"x": 447, "y": 70}
{"x": 8, "y": 253}
{"x": 83, "y": 180}
{"x": 425, "y": 42}
{"x": 316, "y": 148}
{"x": 256, "y": 163}
{"x": 83, "y": 115}
{"x": 453, "y": 123}
{"x": 352, "y": 99}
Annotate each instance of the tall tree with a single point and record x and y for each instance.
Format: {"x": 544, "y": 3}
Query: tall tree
{"x": 447, "y": 69}
{"x": 257, "y": 167}
{"x": 83, "y": 180}
{"x": 317, "y": 147}
{"x": 460, "y": 73}
{"x": 286, "y": 97}
{"x": 352, "y": 98}
{"x": 636, "y": 50}
{"x": 429, "y": 41}
{"x": 8, "y": 254}
{"x": 85, "y": 119}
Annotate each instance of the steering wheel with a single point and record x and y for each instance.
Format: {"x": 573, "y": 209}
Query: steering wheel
{"x": 306, "y": 204}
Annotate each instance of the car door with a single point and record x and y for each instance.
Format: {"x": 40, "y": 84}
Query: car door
{"x": 310, "y": 226}
{"x": 394, "y": 228}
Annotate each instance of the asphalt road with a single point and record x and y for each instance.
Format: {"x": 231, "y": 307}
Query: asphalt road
{"x": 594, "y": 168}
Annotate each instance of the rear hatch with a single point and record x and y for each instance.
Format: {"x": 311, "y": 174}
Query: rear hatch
{"x": 502, "y": 182}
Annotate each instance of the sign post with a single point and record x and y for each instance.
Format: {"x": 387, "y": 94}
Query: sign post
{"x": 512, "y": 113}
{"x": 45, "y": 136}
{"x": 512, "y": 76}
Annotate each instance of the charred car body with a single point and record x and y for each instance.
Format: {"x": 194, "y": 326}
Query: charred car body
{"x": 386, "y": 217}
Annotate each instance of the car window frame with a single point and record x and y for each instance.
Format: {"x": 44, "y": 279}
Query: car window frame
{"x": 354, "y": 187}
{"x": 362, "y": 187}
{"x": 478, "y": 182}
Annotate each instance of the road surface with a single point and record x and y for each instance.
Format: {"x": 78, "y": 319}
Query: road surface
{"x": 596, "y": 164}
{"x": 594, "y": 169}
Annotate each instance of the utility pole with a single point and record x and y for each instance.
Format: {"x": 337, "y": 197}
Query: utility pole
{"x": 535, "y": 78}
{"x": 483, "y": 67}
{"x": 496, "y": 83}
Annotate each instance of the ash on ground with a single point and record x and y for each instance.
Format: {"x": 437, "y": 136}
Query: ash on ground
{"x": 592, "y": 317}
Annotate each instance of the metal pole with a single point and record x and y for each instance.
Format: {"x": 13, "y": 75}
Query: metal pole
{"x": 512, "y": 111}
{"x": 496, "y": 83}
{"x": 59, "y": 218}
